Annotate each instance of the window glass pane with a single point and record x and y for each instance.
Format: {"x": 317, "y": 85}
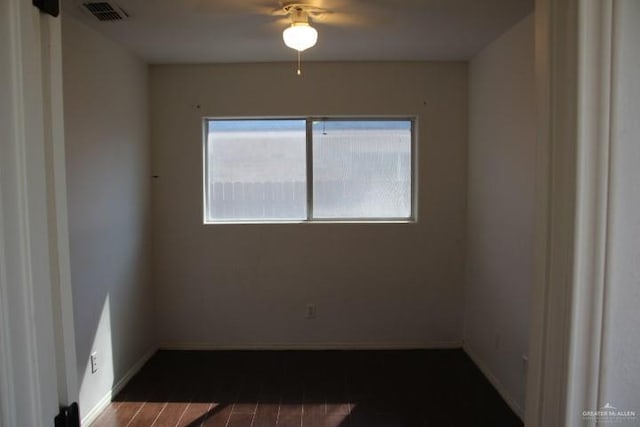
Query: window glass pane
{"x": 361, "y": 169}
{"x": 256, "y": 170}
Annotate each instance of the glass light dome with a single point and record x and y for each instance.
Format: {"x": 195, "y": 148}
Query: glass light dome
{"x": 300, "y": 36}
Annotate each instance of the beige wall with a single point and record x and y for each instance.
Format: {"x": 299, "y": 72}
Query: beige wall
{"x": 375, "y": 285}
{"x": 501, "y": 198}
{"x": 107, "y": 156}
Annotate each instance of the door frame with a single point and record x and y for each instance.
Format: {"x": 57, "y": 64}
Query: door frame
{"x": 37, "y": 348}
{"x": 573, "y": 78}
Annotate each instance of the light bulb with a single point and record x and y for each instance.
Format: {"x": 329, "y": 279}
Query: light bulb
{"x": 300, "y": 36}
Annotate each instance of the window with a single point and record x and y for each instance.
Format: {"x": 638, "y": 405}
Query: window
{"x": 302, "y": 170}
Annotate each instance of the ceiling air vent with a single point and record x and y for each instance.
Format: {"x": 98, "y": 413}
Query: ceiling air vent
{"x": 105, "y": 11}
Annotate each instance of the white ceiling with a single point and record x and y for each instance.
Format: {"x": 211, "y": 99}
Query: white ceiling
{"x": 197, "y": 31}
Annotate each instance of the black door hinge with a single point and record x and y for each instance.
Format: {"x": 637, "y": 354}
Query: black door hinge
{"x": 52, "y": 7}
{"x": 69, "y": 416}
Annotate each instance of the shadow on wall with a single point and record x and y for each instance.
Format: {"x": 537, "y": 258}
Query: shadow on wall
{"x": 111, "y": 290}
{"x": 110, "y": 336}
{"x": 94, "y": 382}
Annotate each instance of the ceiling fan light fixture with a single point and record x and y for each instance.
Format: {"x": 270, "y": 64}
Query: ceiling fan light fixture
{"x": 300, "y": 36}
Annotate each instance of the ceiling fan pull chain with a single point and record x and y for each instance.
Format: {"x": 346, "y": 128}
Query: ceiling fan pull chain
{"x": 299, "y": 71}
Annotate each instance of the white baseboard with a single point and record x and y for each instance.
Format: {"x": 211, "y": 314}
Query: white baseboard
{"x": 506, "y": 396}
{"x": 117, "y": 387}
{"x": 312, "y": 346}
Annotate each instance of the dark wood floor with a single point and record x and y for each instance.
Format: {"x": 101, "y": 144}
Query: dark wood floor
{"x": 320, "y": 388}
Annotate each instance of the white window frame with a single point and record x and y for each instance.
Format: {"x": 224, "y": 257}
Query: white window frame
{"x": 309, "y": 120}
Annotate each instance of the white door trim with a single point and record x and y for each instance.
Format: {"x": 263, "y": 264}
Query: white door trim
{"x": 20, "y": 266}
{"x": 33, "y": 236}
{"x": 592, "y": 198}
{"x": 573, "y": 65}
{"x": 62, "y": 298}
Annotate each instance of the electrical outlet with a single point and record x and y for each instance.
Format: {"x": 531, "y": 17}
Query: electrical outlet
{"x": 94, "y": 362}
{"x": 311, "y": 311}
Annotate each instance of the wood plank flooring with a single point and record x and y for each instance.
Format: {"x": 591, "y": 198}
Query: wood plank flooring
{"x": 308, "y": 389}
